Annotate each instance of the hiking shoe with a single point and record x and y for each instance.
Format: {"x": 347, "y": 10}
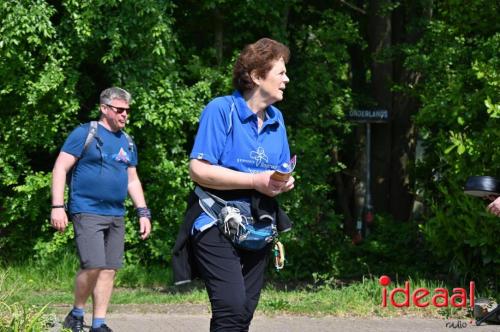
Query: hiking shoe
{"x": 75, "y": 324}
{"x": 103, "y": 328}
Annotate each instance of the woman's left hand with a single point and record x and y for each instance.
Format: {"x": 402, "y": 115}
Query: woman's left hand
{"x": 288, "y": 185}
{"x": 279, "y": 187}
{"x": 264, "y": 183}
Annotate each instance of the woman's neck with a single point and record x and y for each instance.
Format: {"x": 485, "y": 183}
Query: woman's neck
{"x": 256, "y": 104}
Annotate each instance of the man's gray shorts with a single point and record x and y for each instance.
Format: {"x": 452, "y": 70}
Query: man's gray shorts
{"x": 99, "y": 240}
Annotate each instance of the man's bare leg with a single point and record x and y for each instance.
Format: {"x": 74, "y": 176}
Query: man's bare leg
{"x": 102, "y": 292}
{"x": 85, "y": 282}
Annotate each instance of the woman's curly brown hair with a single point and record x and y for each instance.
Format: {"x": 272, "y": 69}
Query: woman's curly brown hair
{"x": 258, "y": 57}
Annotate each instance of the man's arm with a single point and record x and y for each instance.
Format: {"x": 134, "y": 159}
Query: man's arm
{"x": 137, "y": 195}
{"x": 62, "y": 166}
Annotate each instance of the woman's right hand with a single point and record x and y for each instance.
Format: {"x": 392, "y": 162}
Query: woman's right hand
{"x": 263, "y": 183}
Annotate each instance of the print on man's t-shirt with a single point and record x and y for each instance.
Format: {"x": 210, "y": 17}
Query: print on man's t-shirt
{"x": 122, "y": 156}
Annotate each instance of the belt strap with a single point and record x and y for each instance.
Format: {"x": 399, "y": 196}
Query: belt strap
{"x": 210, "y": 203}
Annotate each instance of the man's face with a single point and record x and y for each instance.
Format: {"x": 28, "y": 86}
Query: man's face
{"x": 116, "y": 114}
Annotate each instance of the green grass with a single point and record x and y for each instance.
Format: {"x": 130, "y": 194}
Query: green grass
{"x": 358, "y": 299}
{"x": 19, "y": 316}
{"x": 36, "y": 285}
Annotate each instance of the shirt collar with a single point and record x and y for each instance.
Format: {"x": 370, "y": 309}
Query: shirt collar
{"x": 244, "y": 112}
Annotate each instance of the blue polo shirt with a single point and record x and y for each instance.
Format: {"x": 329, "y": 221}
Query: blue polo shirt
{"x": 99, "y": 181}
{"x": 228, "y": 135}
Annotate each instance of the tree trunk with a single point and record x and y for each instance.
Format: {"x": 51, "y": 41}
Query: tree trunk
{"x": 403, "y": 133}
{"x": 379, "y": 38}
{"x": 405, "y": 106}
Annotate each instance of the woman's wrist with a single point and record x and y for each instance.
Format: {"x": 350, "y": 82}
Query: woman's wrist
{"x": 252, "y": 180}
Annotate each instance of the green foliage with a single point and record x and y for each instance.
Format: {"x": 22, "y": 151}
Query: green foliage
{"x": 55, "y": 58}
{"x": 74, "y": 49}
{"x": 391, "y": 248}
{"x": 458, "y": 122}
{"x": 464, "y": 236}
{"x": 316, "y": 128}
{"x": 20, "y": 317}
{"x": 33, "y": 192}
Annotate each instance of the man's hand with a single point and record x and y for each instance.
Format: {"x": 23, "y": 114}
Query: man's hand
{"x": 59, "y": 219}
{"x": 145, "y": 227}
{"x": 494, "y": 207}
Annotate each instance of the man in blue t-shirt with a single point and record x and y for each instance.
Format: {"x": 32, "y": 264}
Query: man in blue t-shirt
{"x": 101, "y": 171}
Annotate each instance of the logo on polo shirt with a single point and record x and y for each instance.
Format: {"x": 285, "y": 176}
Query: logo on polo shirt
{"x": 259, "y": 156}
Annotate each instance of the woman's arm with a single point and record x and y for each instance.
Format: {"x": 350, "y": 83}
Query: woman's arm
{"x": 221, "y": 178}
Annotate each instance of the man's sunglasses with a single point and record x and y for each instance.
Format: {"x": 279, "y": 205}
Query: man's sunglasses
{"x": 119, "y": 110}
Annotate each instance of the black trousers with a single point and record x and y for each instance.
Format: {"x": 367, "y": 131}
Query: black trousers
{"x": 233, "y": 278}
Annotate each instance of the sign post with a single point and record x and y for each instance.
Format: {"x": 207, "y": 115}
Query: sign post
{"x": 367, "y": 116}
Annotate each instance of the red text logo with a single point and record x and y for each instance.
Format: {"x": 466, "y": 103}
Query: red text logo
{"x": 423, "y": 297}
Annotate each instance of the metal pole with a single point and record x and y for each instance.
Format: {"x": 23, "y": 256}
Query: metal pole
{"x": 368, "y": 208}
{"x": 368, "y": 198}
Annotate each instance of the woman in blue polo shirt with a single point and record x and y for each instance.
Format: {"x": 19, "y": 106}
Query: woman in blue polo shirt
{"x": 241, "y": 140}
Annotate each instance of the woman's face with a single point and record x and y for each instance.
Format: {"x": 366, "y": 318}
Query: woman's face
{"x": 272, "y": 86}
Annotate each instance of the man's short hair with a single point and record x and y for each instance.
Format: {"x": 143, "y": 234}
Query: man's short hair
{"x": 108, "y": 95}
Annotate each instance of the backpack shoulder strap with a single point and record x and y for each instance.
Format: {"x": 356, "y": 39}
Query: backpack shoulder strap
{"x": 130, "y": 141}
{"x": 91, "y": 134}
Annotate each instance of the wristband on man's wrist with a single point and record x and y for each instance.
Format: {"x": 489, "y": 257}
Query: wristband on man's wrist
{"x": 63, "y": 206}
{"x": 143, "y": 212}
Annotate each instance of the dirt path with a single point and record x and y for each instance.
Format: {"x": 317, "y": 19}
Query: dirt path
{"x": 196, "y": 323}
{"x": 196, "y": 318}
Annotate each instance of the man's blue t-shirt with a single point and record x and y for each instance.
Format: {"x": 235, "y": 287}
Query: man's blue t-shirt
{"x": 99, "y": 181}
{"x": 228, "y": 136}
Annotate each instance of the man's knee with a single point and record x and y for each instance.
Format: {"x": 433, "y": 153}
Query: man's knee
{"x": 88, "y": 273}
{"x": 107, "y": 274}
